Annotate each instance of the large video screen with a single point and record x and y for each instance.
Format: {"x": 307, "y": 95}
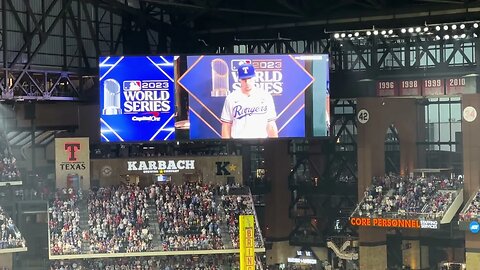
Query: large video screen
{"x": 203, "y": 97}
{"x": 137, "y": 98}
{"x": 281, "y": 84}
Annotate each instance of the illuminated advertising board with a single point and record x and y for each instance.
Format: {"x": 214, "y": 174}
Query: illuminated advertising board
{"x": 153, "y": 98}
{"x": 210, "y": 79}
{"x": 247, "y": 242}
{"x": 217, "y": 169}
{"x": 137, "y": 98}
{"x": 394, "y": 223}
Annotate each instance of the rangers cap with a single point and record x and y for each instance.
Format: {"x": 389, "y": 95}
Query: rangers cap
{"x": 246, "y": 71}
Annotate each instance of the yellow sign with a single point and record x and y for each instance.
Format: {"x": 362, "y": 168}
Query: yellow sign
{"x": 247, "y": 242}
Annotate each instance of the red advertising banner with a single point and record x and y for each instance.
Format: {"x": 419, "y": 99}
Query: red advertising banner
{"x": 387, "y": 88}
{"x": 410, "y": 88}
{"x": 433, "y": 87}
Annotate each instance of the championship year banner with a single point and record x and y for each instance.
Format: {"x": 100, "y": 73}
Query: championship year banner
{"x": 387, "y": 88}
{"x": 461, "y": 85}
{"x": 210, "y": 79}
{"x": 247, "y": 242}
{"x": 137, "y": 98}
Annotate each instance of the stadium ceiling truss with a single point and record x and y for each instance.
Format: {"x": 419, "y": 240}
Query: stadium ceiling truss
{"x": 50, "y": 48}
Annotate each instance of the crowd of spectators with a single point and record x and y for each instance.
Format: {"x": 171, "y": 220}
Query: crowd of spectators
{"x": 186, "y": 262}
{"x": 187, "y": 216}
{"x": 473, "y": 210}
{"x": 439, "y": 203}
{"x": 8, "y": 168}
{"x": 63, "y": 224}
{"x": 401, "y": 196}
{"x": 10, "y": 236}
{"x": 159, "y": 217}
{"x": 118, "y": 220}
{"x": 234, "y": 206}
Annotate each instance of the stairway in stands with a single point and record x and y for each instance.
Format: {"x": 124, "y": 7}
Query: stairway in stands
{"x": 153, "y": 223}
{"x": 226, "y": 238}
{"x": 83, "y": 223}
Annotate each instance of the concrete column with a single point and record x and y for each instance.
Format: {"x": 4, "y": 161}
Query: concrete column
{"x": 372, "y": 249}
{"x": 471, "y": 170}
{"x": 415, "y": 254}
{"x": 277, "y": 165}
{"x": 472, "y": 260}
{"x": 373, "y": 257}
{"x": 6, "y": 260}
{"x": 371, "y": 162}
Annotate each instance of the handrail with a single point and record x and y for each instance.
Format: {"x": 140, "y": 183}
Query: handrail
{"x": 341, "y": 254}
{"x": 257, "y": 227}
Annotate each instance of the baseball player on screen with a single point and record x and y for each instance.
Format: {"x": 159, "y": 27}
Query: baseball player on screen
{"x": 248, "y": 112}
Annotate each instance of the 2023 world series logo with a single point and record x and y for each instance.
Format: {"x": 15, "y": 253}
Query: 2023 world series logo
{"x": 147, "y": 96}
{"x": 268, "y": 74}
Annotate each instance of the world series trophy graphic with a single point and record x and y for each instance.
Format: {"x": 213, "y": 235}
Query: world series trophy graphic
{"x": 219, "y": 78}
{"x": 111, "y": 97}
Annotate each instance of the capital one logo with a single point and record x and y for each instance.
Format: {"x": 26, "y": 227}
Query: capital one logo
{"x": 72, "y": 149}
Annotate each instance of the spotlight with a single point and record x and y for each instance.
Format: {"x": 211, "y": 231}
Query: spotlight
{"x": 375, "y": 32}
{"x": 342, "y": 35}
{"x": 445, "y": 27}
{"x": 425, "y": 29}
{"x": 437, "y": 37}
{"x": 403, "y": 30}
{"x": 418, "y": 29}
{"x": 410, "y": 30}
{"x": 390, "y": 31}
{"x": 475, "y": 25}
{"x": 455, "y": 36}
{"x": 356, "y": 34}
{"x": 336, "y": 35}
{"x": 462, "y": 26}
{"x": 446, "y": 37}
{"x": 454, "y": 27}
{"x": 438, "y": 28}
{"x": 350, "y": 35}
{"x": 475, "y": 35}
{"x": 369, "y": 33}
{"x": 384, "y": 32}
{"x": 463, "y": 35}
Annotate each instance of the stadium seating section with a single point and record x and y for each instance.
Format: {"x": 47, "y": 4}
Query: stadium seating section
{"x": 160, "y": 217}
{"x": 395, "y": 196}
